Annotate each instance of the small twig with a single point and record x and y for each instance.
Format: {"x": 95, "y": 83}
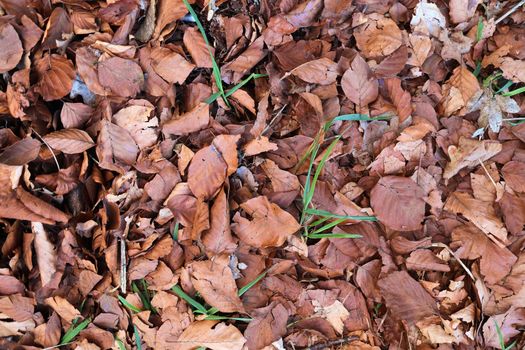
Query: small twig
{"x": 277, "y": 115}
{"x": 335, "y": 342}
{"x": 488, "y": 174}
{"x": 123, "y": 263}
{"x": 47, "y": 144}
{"x": 467, "y": 270}
{"x": 510, "y": 12}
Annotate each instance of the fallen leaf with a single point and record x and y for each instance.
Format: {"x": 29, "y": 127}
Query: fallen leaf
{"x": 406, "y": 297}
{"x": 513, "y": 69}
{"x": 115, "y": 147}
{"x": 207, "y": 172}
{"x": 509, "y": 325}
{"x": 45, "y": 253}
{"x": 481, "y": 214}
{"x": 20, "y": 152}
{"x": 213, "y": 279}
{"x": 458, "y": 90}
{"x": 218, "y": 239}
{"x": 400, "y": 98}
{"x": 75, "y": 115}
{"x": 70, "y": 141}
{"x": 322, "y": 71}
{"x": 358, "y": 83}
{"x": 196, "y": 46}
{"x": 268, "y": 325}
{"x": 469, "y": 153}
{"x": 398, "y": 203}
{"x": 136, "y": 120}
{"x": 462, "y": 11}
{"x": 425, "y": 260}
{"x": 163, "y": 61}
{"x": 196, "y": 119}
{"x": 259, "y": 145}
{"x": 11, "y": 48}
{"x": 269, "y": 225}
{"x": 120, "y": 76}
{"x": 210, "y": 334}
{"x": 55, "y": 76}
{"x": 63, "y": 308}
{"x": 379, "y": 36}
{"x": 429, "y": 15}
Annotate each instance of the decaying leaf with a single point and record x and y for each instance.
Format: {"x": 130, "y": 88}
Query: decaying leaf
{"x": 469, "y": 153}
{"x": 358, "y": 83}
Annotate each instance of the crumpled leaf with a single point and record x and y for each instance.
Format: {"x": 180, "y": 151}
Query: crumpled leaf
{"x": 120, "y": 77}
{"x": 55, "y": 76}
{"x": 196, "y": 119}
{"x": 269, "y": 226}
{"x": 458, "y": 90}
{"x": 398, "y": 203}
{"x": 213, "y": 279}
{"x": 136, "y": 119}
{"x": 469, "y": 153}
{"x": 210, "y": 334}
{"x": 429, "y": 15}
{"x": 379, "y": 36}
{"x": 513, "y": 69}
{"x": 358, "y": 83}
{"x": 491, "y": 108}
{"x": 46, "y": 255}
{"x": 322, "y": 71}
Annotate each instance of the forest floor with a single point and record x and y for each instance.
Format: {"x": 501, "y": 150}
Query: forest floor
{"x": 271, "y": 174}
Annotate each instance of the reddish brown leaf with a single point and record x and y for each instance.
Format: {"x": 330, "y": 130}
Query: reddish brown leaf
{"x": 20, "y": 152}
{"x": 58, "y": 30}
{"x": 207, "y": 172}
{"x": 378, "y": 37}
{"x": 196, "y": 119}
{"x": 75, "y": 115}
{"x": 70, "y": 141}
{"x": 398, "y": 203}
{"x": 514, "y": 174}
{"x": 10, "y": 285}
{"x": 211, "y": 335}
{"x": 55, "y": 76}
{"x": 197, "y": 48}
{"x": 10, "y": 48}
{"x": 163, "y": 62}
{"x": 322, "y": 71}
{"x": 269, "y": 225}
{"x": 213, "y": 279}
{"x": 268, "y": 325}
{"x": 218, "y": 239}
{"x": 120, "y": 76}
{"x": 407, "y": 299}
{"x": 358, "y": 84}
{"x": 115, "y": 147}
{"x": 400, "y": 98}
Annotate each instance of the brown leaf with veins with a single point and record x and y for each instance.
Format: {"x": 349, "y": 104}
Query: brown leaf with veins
{"x": 48, "y": 334}
{"x": 196, "y": 119}
{"x": 58, "y": 29}
{"x": 267, "y": 326}
{"x": 400, "y": 98}
{"x": 269, "y": 226}
{"x": 21, "y": 152}
{"x": 496, "y": 262}
{"x": 55, "y": 76}
{"x": 259, "y": 145}
{"x": 163, "y": 61}
{"x": 358, "y": 83}
{"x": 10, "y": 48}
{"x": 115, "y": 147}
{"x": 75, "y": 115}
{"x": 136, "y": 119}
{"x": 207, "y": 172}
{"x": 213, "y": 279}
{"x": 469, "y": 153}
{"x": 70, "y": 141}
{"x": 513, "y": 69}
{"x": 120, "y": 76}
{"x": 209, "y": 334}
{"x": 462, "y": 11}
{"x": 398, "y": 203}
{"x": 46, "y": 255}
{"x": 425, "y": 260}
{"x": 458, "y": 90}
{"x": 197, "y": 48}
{"x": 514, "y": 174}
{"x": 64, "y": 308}
{"x": 218, "y": 239}
{"x": 378, "y": 37}
{"x": 406, "y": 298}
{"x": 322, "y": 71}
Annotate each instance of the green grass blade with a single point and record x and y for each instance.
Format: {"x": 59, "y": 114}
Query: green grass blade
{"x": 319, "y": 221}
{"x": 175, "y": 233}
{"x": 329, "y": 215}
{"x": 128, "y": 304}
{"x": 360, "y": 117}
{"x": 178, "y": 290}
{"x": 215, "y": 67}
{"x": 334, "y": 235}
{"x": 138, "y": 341}
{"x": 328, "y": 226}
{"x": 215, "y": 317}
{"x": 507, "y": 85}
{"x": 120, "y": 344}
{"x": 514, "y": 92}
{"x": 73, "y": 331}
{"x": 230, "y": 92}
{"x": 251, "y": 284}
{"x": 478, "y": 69}
{"x": 479, "y": 29}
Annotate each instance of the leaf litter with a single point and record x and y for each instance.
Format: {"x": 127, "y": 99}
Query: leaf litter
{"x": 262, "y": 175}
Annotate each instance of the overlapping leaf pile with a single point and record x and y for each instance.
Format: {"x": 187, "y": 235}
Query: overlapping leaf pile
{"x": 156, "y": 184}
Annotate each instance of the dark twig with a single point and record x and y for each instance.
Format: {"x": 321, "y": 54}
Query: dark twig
{"x": 330, "y": 343}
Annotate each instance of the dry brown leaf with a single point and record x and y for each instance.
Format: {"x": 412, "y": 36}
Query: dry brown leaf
{"x": 20, "y": 152}
{"x": 406, "y": 298}
{"x": 268, "y": 325}
{"x": 9, "y": 285}
{"x": 259, "y": 145}
{"x": 269, "y": 225}
{"x": 136, "y": 119}
{"x": 400, "y": 98}
{"x": 513, "y": 69}
{"x": 482, "y": 214}
{"x": 322, "y": 71}
{"x": 469, "y": 153}
{"x": 207, "y": 172}
{"x": 121, "y": 77}
{"x": 197, "y": 48}
{"x": 514, "y": 174}
{"x": 232, "y": 72}
{"x": 210, "y": 334}
{"x": 75, "y": 115}
{"x": 425, "y": 260}
{"x": 398, "y": 203}
{"x": 115, "y": 147}
{"x": 46, "y": 256}
{"x": 55, "y": 76}
{"x": 10, "y": 48}
{"x": 196, "y": 119}
{"x": 428, "y": 15}
{"x": 164, "y": 60}
{"x": 378, "y": 37}
{"x": 421, "y": 47}
{"x": 48, "y": 334}
{"x": 458, "y": 90}
{"x": 218, "y": 239}
{"x": 70, "y": 141}
{"x": 358, "y": 83}
{"x": 496, "y": 262}
{"x": 462, "y": 11}
{"x": 496, "y": 57}
{"x": 509, "y": 325}
{"x": 63, "y": 308}
{"x": 213, "y": 279}
{"x": 59, "y": 29}
{"x": 169, "y": 12}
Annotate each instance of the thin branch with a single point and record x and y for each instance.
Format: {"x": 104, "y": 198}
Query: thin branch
{"x": 510, "y": 12}
{"x": 331, "y": 343}
{"x": 48, "y": 146}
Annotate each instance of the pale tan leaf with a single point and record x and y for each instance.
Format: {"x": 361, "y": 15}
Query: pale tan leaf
{"x": 322, "y": 71}
{"x": 379, "y": 36}
{"x": 210, "y": 334}
{"x": 469, "y": 153}
{"x": 46, "y": 256}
